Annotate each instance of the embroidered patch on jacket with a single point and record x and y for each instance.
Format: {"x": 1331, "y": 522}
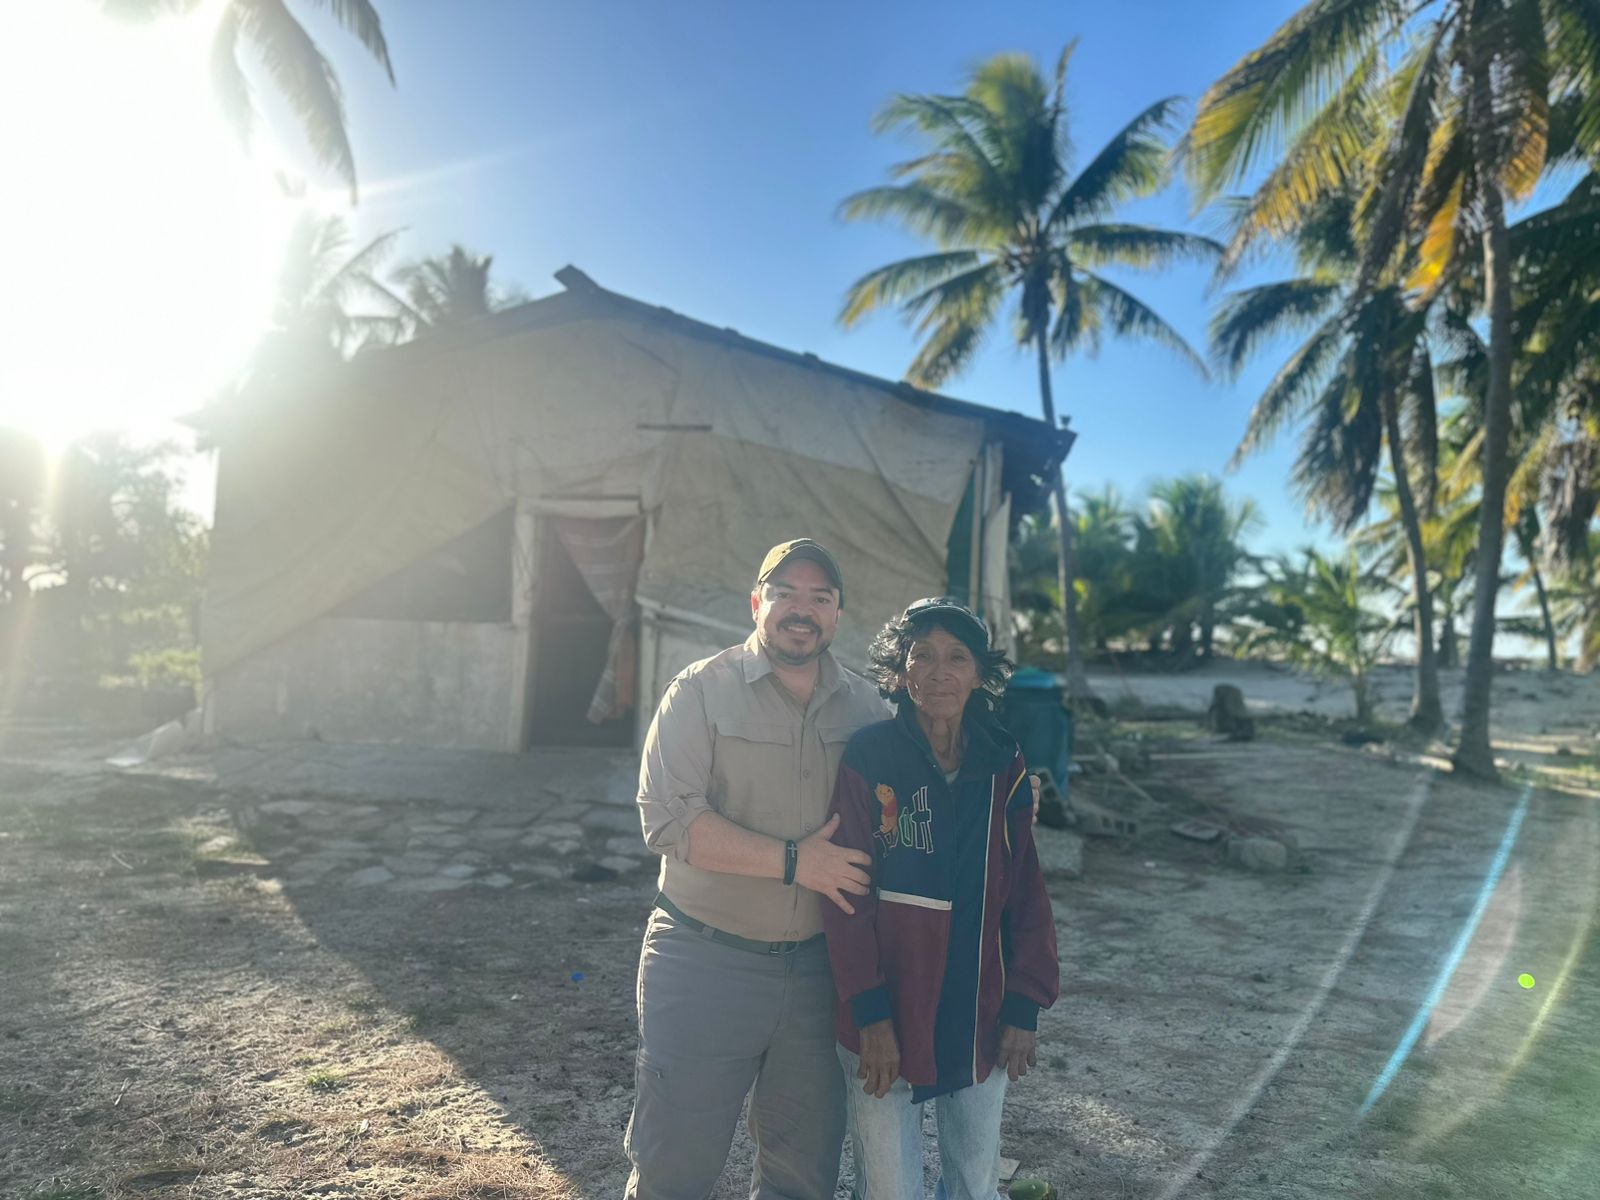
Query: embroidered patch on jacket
{"x": 916, "y": 823}
{"x": 888, "y": 825}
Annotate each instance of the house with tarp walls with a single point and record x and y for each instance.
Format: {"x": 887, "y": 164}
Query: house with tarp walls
{"x": 515, "y": 534}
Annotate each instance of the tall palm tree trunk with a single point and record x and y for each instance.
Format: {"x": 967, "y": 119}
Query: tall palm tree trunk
{"x": 1552, "y": 654}
{"x": 1427, "y": 714}
{"x": 1473, "y": 754}
{"x": 1067, "y": 563}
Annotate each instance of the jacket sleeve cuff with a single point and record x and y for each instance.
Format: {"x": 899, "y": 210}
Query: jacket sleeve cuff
{"x": 1019, "y": 1012}
{"x": 870, "y": 1007}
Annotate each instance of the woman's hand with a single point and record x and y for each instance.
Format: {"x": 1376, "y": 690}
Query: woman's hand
{"x": 880, "y": 1058}
{"x": 1018, "y": 1050}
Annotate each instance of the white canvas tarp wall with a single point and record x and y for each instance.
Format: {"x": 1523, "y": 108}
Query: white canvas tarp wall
{"x": 727, "y": 451}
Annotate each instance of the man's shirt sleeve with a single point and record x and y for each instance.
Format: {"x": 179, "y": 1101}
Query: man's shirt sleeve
{"x": 675, "y": 771}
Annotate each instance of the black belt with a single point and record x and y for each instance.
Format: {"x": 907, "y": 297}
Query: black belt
{"x": 728, "y": 939}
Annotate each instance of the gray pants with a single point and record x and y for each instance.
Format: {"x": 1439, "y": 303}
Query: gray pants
{"x": 713, "y": 1021}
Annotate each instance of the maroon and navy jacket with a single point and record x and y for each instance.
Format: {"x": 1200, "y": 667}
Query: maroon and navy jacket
{"x": 956, "y": 935}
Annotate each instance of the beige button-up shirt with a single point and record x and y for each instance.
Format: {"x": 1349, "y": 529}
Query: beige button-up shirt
{"x": 728, "y": 739}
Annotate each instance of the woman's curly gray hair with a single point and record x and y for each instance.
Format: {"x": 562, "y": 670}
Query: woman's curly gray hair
{"x": 886, "y": 659}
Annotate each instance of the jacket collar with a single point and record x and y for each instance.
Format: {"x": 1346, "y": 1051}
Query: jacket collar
{"x": 989, "y": 747}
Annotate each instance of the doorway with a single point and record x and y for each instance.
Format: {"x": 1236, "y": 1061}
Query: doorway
{"x": 571, "y": 642}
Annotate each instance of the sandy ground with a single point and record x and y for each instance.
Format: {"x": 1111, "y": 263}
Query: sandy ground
{"x": 1527, "y": 700}
{"x": 185, "y": 1011}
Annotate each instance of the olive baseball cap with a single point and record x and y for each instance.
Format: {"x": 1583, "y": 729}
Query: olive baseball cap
{"x": 785, "y": 552}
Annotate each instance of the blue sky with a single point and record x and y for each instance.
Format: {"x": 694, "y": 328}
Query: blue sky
{"x": 693, "y": 155}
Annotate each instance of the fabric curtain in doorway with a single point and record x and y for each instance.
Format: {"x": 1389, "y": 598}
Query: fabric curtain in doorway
{"x": 607, "y": 554}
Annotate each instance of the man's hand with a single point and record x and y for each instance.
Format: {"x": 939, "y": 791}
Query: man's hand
{"x": 1033, "y": 781}
{"x": 880, "y": 1059}
{"x": 832, "y": 870}
{"x": 1018, "y": 1051}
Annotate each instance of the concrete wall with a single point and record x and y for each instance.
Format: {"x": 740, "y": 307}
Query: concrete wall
{"x": 347, "y": 679}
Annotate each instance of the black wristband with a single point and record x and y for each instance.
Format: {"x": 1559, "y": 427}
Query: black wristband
{"x": 791, "y": 860}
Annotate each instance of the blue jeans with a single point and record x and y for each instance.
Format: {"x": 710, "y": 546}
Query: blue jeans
{"x": 886, "y": 1133}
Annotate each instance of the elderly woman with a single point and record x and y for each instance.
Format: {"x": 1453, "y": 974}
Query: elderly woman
{"x": 942, "y": 968}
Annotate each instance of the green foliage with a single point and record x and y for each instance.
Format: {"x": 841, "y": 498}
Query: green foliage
{"x": 1324, "y": 615}
{"x": 102, "y": 567}
{"x": 447, "y": 290}
{"x": 1172, "y": 571}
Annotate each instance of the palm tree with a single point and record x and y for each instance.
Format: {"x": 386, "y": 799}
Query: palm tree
{"x": 1554, "y": 490}
{"x": 1103, "y": 543}
{"x": 994, "y": 191}
{"x": 1325, "y": 615}
{"x": 1471, "y": 98}
{"x": 1364, "y": 375}
{"x": 1033, "y": 558}
{"x": 316, "y": 314}
{"x": 447, "y": 290}
{"x": 1449, "y": 537}
{"x": 303, "y": 76}
{"x": 1200, "y": 536}
{"x": 1575, "y": 601}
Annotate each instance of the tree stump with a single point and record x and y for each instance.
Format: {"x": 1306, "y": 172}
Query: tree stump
{"x": 1228, "y": 715}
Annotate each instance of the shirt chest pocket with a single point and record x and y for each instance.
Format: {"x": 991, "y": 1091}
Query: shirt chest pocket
{"x": 834, "y": 739}
{"x": 753, "y": 773}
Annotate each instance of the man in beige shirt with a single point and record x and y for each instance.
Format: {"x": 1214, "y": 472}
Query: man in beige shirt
{"x": 735, "y": 990}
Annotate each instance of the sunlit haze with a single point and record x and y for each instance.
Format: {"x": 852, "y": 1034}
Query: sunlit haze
{"x": 142, "y": 239}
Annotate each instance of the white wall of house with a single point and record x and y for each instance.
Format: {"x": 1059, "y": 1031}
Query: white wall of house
{"x": 354, "y": 679}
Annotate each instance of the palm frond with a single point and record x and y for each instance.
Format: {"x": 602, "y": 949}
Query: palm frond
{"x": 360, "y": 18}
{"x": 1270, "y": 95}
{"x": 1058, "y": 106}
{"x": 1126, "y": 316}
{"x": 900, "y": 281}
{"x": 306, "y": 79}
{"x": 964, "y": 165}
{"x": 1319, "y": 163}
{"x": 1522, "y": 105}
{"x": 922, "y": 210}
{"x": 1077, "y": 324}
{"x": 228, "y": 81}
{"x": 1574, "y": 38}
{"x": 1296, "y": 384}
{"x": 954, "y": 316}
{"x": 1247, "y": 318}
{"x": 1340, "y": 453}
{"x": 1014, "y": 119}
{"x": 1132, "y": 164}
{"x": 1138, "y": 246}
{"x": 1399, "y": 169}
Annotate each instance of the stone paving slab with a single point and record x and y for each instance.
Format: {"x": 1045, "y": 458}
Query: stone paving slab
{"x": 416, "y": 820}
{"x": 456, "y": 780}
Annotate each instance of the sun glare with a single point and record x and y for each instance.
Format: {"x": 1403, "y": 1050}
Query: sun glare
{"x": 142, "y": 240}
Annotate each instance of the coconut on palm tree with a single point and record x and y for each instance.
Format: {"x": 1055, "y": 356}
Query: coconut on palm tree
{"x": 1471, "y": 83}
{"x": 993, "y": 188}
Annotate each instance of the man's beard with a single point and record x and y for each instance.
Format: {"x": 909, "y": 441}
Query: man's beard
{"x": 779, "y": 655}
